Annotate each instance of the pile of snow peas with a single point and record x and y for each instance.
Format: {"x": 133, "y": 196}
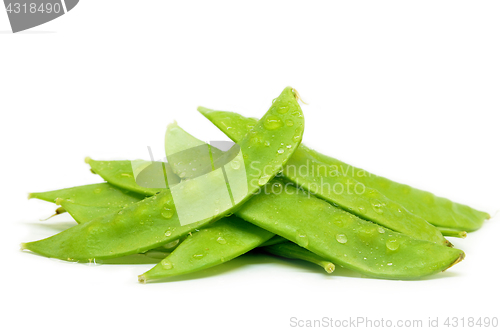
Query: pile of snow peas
{"x": 289, "y": 208}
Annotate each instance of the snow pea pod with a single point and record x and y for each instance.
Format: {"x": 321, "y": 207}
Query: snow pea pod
{"x": 290, "y": 250}
{"x": 329, "y": 184}
{"x": 264, "y": 207}
{"x": 90, "y": 202}
{"x": 222, "y": 241}
{"x": 435, "y": 210}
{"x": 121, "y": 174}
{"x": 101, "y": 194}
{"x": 343, "y": 238}
{"x": 155, "y": 221}
{"x": 87, "y": 202}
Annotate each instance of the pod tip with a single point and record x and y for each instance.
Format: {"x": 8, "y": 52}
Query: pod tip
{"x": 142, "y": 279}
{"x": 329, "y": 267}
{"x": 203, "y": 110}
{"x": 460, "y": 258}
{"x": 88, "y": 160}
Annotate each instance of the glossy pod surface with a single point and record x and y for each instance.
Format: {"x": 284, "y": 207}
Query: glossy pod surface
{"x": 154, "y": 221}
{"x": 121, "y": 174}
{"x": 226, "y": 239}
{"x": 343, "y": 238}
{"x": 328, "y": 183}
{"x": 435, "y": 210}
{"x": 88, "y": 202}
{"x": 282, "y": 203}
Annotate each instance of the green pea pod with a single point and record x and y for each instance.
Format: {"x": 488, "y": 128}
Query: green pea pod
{"x": 290, "y": 250}
{"x": 368, "y": 204}
{"x": 324, "y": 182}
{"x": 155, "y": 221}
{"x": 343, "y": 238}
{"x": 436, "y": 210}
{"x": 121, "y": 174}
{"x": 228, "y": 252}
{"x": 85, "y": 213}
{"x": 226, "y": 239}
{"x": 101, "y": 194}
{"x": 89, "y": 201}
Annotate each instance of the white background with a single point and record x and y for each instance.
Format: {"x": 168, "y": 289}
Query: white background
{"x": 404, "y": 89}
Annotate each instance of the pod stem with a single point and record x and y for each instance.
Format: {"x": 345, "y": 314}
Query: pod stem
{"x": 453, "y": 232}
{"x": 297, "y": 96}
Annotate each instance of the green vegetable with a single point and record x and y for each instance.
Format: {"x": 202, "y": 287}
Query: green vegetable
{"x": 155, "y": 221}
{"x": 121, "y": 173}
{"x": 435, "y": 210}
{"x": 265, "y": 207}
{"x": 87, "y": 202}
{"x": 133, "y": 218}
{"x": 344, "y": 238}
{"x": 226, "y": 239}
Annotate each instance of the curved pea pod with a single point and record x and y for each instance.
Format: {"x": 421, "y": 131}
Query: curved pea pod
{"x": 89, "y": 201}
{"x": 157, "y": 220}
{"x": 343, "y": 238}
{"x": 329, "y": 184}
{"x": 290, "y": 250}
{"x": 226, "y": 239}
{"x": 438, "y": 211}
{"x": 129, "y": 174}
{"x": 85, "y": 213}
{"x": 435, "y": 210}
